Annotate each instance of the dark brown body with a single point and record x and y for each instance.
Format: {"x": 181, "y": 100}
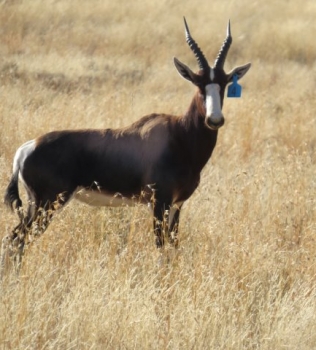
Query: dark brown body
{"x": 156, "y": 160}
{"x": 165, "y": 152}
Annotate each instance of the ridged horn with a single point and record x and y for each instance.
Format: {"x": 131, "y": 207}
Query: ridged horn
{"x": 203, "y": 64}
{"x": 221, "y": 57}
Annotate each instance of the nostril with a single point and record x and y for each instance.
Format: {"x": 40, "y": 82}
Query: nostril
{"x": 215, "y": 122}
{"x": 217, "y": 118}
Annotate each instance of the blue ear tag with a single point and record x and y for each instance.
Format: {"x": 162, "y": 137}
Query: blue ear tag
{"x": 234, "y": 89}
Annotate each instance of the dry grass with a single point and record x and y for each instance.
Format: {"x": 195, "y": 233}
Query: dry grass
{"x": 244, "y": 277}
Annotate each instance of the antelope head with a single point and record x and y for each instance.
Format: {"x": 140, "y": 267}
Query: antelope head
{"x": 211, "y": 81}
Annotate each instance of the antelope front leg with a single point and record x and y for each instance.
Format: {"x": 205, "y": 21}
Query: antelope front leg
{"x": 159, "y": 234}
{"x": 160, "y": 223}
{"x": 166, "y": 223}
{"x": 173, "y": 224}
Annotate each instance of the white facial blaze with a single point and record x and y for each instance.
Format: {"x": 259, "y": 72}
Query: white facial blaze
{"x": 213, "y": 103}
{"x": 212, "y": 74}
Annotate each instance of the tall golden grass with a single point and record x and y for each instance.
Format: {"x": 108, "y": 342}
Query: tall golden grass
{"x": 244, "y": 276}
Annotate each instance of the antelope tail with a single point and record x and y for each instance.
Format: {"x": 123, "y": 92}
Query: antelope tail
{"x": 12, "y": 193}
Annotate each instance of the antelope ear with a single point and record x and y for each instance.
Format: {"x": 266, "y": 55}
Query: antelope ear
{"x": 184, "y": 71}
{"x": 239, "y": 71}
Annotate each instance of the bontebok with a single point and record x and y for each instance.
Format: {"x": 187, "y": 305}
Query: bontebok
{"x": 156, "y": 160}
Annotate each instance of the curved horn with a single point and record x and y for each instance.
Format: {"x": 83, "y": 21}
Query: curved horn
{"x": 221, "y": 57}
{"x": 203, "y": 64}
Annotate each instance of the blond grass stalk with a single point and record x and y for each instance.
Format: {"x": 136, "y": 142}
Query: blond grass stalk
{"x": 244, "y": 275}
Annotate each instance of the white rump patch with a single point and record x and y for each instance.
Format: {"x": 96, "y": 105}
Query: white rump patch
{"x": 213, "y": 103}
{"x": 20, "y": 156}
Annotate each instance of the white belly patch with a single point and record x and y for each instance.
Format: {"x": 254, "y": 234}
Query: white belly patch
{"x": 101, "y": 199}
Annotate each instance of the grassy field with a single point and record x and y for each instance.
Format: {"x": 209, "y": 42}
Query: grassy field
{"x": 244, "y": 276}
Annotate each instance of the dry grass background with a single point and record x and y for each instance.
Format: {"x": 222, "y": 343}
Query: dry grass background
{"x": 244, "y": 276}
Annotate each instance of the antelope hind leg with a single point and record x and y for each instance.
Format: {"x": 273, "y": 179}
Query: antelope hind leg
{"x": 12, "y": 247}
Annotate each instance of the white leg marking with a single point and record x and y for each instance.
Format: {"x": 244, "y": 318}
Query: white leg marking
{"x": 173, "y": 210}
